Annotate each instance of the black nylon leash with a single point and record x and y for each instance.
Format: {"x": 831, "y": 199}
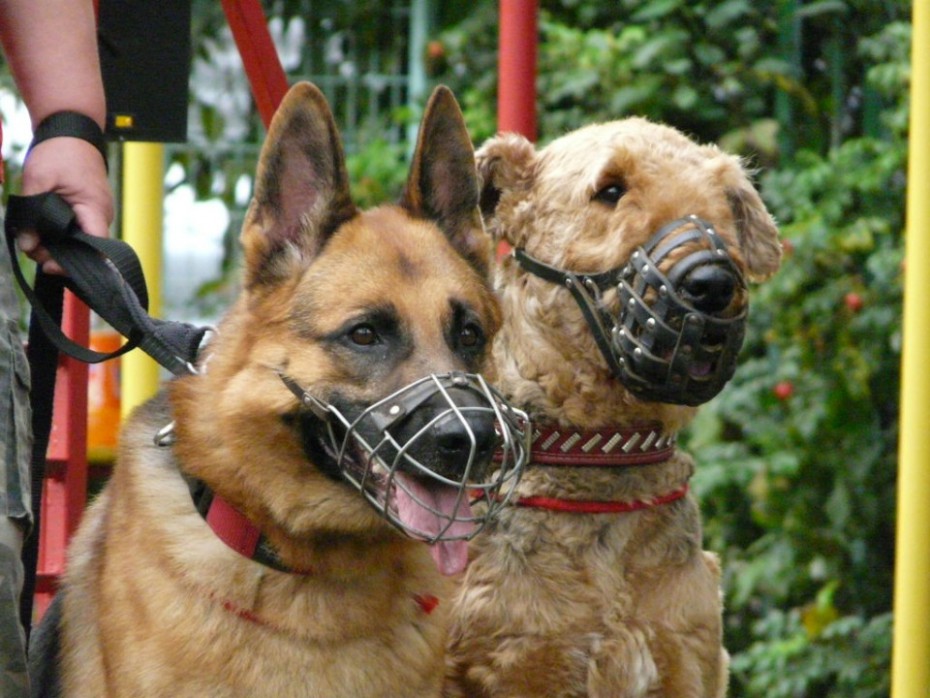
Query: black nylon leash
{"x": 107, "y": 276}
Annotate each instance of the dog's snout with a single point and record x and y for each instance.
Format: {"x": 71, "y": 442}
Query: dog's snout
{"x": 452, "y": 434}
{"x": 710, "y": 288}
{"x": 456, "y": 437}
{"x": 465, "y": 435}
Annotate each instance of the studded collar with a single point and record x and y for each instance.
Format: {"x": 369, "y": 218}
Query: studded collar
{"x": 611, "y": 447}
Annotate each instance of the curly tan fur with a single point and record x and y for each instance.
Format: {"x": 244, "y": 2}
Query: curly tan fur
{"x": 604, "y": 605}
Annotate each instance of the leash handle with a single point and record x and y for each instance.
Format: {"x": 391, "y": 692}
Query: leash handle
{"x": 54, "y": 220}
{"x": 107, "y": 276}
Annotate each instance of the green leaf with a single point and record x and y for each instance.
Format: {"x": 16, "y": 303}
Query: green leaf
{"x": 655, "y": 9}
{"x": 726, "y": 13}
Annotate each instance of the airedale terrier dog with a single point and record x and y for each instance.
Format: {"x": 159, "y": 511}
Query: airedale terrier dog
{"x": 624, "y": 308}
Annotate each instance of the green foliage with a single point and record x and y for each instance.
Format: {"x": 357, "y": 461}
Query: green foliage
{"x": 847, "y": 658}
{"x": 697, "y": 65}
{"x": 695, "y": 80}
{"x": 798, "y": 483}
{"x": 718, "y": 70}
{"x": 377, "y": 172}
{"x": 469, "y": 67}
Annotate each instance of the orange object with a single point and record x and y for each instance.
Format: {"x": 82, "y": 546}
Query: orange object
{"x": 103, "y": 399}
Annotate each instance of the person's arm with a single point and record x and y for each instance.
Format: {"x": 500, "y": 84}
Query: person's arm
{"x": 51, "y": 47}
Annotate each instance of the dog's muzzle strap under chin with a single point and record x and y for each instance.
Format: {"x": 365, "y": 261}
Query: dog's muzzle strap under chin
{"x": 586, "y": 290}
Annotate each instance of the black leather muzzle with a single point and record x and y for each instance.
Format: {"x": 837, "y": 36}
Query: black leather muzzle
{"x": 673, "y": 337}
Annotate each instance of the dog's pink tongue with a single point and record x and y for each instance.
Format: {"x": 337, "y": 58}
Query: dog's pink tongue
{"x": 414, "y": 502}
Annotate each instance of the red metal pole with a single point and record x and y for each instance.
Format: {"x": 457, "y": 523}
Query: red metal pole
{"x": 516, "y": 79}
{"x": 65, "y": 488}
{"x": 259, "y": 56}
{"x": 516, "y": 92}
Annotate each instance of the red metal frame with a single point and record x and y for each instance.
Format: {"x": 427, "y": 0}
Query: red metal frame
{"x": 259, "y": 55}
{"x": 64, "y": 493}
{"x": 516, "y": 79}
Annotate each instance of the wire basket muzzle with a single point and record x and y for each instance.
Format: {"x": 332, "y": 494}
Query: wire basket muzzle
{"x": 422, "y": 457}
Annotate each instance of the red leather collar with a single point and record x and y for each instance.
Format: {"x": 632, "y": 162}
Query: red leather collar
{"x": 233, "y": 528}
{"x": 584, "y": 506}
{"x": 238, "y": 532}
{"x": 612, "y": 447}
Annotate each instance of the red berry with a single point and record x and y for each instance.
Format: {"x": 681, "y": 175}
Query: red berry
{"x": 783, "y": 390}
{"x": 853, "y": 301}
{"x": 435, "y": 49}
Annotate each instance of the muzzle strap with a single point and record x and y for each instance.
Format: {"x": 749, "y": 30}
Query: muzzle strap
{"x": 600, "y": 281}
{"x": 586, "y": 290}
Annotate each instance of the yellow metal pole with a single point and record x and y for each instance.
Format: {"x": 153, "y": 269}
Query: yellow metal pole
{"x": 911, "y": 654}
{"x": 143, "y": 196}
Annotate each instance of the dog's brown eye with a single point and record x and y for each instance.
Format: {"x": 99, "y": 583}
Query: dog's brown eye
{"x": 610, "y": 194}
{"x": 363, "y": 335}
{"x": 470, "y": 336}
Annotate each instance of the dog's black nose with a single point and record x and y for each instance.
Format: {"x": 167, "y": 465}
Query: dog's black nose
{"x": 454, "y": 439}
{"x": 463, "y": 435}
{"x": 449, "y": 432}
{"x": 709, "y": 288}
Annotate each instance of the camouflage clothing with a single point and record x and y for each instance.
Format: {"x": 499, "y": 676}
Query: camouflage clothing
{"x": 15, "y": 417}
{"x": 13, "y": 678}
{"x": 15, "y": 449}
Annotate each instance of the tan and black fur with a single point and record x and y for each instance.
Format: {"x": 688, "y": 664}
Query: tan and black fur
{"x": 618, "y": 605}
{"x": 352, "y": 305}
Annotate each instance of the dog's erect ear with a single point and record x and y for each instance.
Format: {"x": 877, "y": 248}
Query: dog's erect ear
{"x": 505, "y": 170}
{"x": 301, "y": 188}
{"x": 443, "y": 184}
{"x": 756, "y": 229}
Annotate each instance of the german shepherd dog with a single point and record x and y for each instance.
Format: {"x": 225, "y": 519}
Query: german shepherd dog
{"x": 252, "y": 548}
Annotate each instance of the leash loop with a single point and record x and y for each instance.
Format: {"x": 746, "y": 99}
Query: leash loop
{"x": 107, "y": 276}
{"x": 71, "y": 124}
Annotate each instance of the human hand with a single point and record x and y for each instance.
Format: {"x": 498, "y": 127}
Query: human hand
{"x": 73, "y": 169}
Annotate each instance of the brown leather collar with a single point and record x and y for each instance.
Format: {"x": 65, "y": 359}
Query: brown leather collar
{"x": 612, "y": 447}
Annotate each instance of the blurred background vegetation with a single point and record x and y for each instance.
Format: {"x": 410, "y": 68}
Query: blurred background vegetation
{"x": 797, "y": 457}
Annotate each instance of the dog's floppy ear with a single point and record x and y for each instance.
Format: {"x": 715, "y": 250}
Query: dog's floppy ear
{"x": 301, "y": 188}
{"x": 506, "y": 165}
{"x": 443, "y": 184}
{"x": 756, "y": 229}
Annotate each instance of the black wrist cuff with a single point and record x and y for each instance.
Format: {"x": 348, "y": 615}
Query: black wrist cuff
{"x": 73, "y": 125}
